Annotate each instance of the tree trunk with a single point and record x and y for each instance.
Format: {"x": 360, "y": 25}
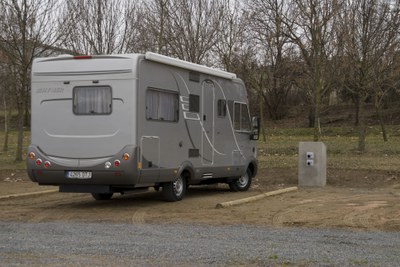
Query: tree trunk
{"x": 311, "y": 117}
{"x": 378, "y": 111}
{"x": 21, "y": 104}
{"x": 318, "y": 89}
{"x": 27, "y": 117}
{"x": 361, "y": 126}
{"x": 262, "y": 119}
{"x": 7, "y": 114}
{"x": 20, "y": 139}
{"x": 380, "y": 118}
{"x": 317, "y": 124}
{"x": 357, "y": 110}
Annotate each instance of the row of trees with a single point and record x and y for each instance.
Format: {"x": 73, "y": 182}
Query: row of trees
{"x": 286, "y": 51}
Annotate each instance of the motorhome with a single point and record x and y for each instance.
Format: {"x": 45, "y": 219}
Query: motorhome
{"x": 117, "y": 123}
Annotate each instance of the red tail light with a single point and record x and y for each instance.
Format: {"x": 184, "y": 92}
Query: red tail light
{"x": 47, "y": 164}
{"x": 38, "y": 162}
{"x": 117, "y": 163}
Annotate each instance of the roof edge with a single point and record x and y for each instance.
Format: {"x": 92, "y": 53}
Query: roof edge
{"x": 188, "y": 65}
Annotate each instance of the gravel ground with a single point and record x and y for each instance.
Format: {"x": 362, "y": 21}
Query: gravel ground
{"x": 80, "y": 244}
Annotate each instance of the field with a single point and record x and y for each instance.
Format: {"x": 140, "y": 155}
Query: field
{"x": 362, "y": 190}
{"x": 281, "y": 147}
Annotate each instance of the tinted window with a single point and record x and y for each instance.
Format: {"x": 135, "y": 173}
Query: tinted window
{"x": 236, "y": 120}
{"x": 92, "y": 100}
{"x": 162, "y": 105}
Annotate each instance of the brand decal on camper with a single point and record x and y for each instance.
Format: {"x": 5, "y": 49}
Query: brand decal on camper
{"x": 49, "y": 90}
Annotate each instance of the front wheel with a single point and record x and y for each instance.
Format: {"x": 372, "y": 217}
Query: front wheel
{"x": 102, "y": 196}
{"x": 175, "y": 191}
{"x": 241, "y": 184}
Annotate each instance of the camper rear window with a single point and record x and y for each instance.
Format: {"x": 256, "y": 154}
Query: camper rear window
{"x": 241, "y": 119}
{"x": 162, "y": 105}
{"x": 92, "y": 100}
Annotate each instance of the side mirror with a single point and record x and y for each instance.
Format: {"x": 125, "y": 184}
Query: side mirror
{"x": 255, "y": 126}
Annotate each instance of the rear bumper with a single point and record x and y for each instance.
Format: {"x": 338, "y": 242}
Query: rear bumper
{"x": 124, "y": 174}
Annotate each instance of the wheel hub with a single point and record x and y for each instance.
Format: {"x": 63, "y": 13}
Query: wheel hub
{"x": 178, "y": 186}
{"x": 242, "y": 181}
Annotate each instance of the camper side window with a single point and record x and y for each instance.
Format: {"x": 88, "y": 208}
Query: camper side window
{"x": 194, "y": 103}
{"x": 162, "y": 105}
{"x": 221, "y": 106}
{"x": 241, "y": 119}
{"x": 92, "y": 100}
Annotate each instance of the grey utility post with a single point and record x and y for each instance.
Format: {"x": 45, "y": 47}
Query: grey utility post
{"x": 312, "y": 164}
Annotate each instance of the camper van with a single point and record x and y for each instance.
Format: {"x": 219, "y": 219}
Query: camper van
{"x": 118, "y": 123}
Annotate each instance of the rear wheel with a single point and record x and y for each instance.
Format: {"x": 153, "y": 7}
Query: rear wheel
{"x": 175, "y": 191}
{"x": 102, "y": 196}
{"x": 241, "y": 184}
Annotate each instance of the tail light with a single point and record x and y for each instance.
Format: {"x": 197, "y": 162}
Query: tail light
{"x": 31, "y": 155}
{"x": 38, "y": 162}
{"x": 126, "y": 156}
{"x": 47, "y": 164}
{"x": 117, "y": 163}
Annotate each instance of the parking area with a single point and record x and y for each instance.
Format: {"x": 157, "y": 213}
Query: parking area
{"x": 352, "y": 199}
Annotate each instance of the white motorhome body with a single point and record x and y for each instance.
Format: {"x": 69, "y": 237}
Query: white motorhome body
{"x": 115, "y": 123}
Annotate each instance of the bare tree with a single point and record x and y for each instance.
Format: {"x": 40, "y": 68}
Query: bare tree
{"x": 155, "y": 25}
{"x": 27, "y": 30}
{"x": 6, "y": 82}
{"x": 233, "y": 35}
{"x": 310, "y": 24}
{"x": 370, "y": 36}
{"x": 276, "y": 52}
{"x": 96, "y": 26}
{"x": 193, "y": 27}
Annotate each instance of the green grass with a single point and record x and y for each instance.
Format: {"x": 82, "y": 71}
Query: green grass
{"x": 281, "y": 148}
{"x": 7, "y": 159}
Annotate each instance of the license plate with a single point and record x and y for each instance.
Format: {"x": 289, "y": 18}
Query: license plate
{"x": 78, "y": 175}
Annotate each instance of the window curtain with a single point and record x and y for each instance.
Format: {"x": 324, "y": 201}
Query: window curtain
{"x": 161, "y": 105}
{"x": 93, "y": 100}
{"x": 152, "y": 99}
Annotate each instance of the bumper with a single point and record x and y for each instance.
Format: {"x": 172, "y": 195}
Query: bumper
{"x": 55, "y": 174}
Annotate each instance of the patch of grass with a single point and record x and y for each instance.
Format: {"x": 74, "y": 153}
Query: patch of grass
{"x": 358, "y": 261}
{"x": 281, "y": 149}
{"x": 7, "y": 159}
{"x": 13, "y": 120}
{"x": 273, "y": 256}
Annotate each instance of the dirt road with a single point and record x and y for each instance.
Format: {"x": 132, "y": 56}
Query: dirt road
{"x": 353, "y": 199}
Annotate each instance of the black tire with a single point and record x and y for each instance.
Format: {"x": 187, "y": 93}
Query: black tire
{"x": 241, "y": 184}
{"x": 102, "y": 196}
{"x": 176, "y": 190}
